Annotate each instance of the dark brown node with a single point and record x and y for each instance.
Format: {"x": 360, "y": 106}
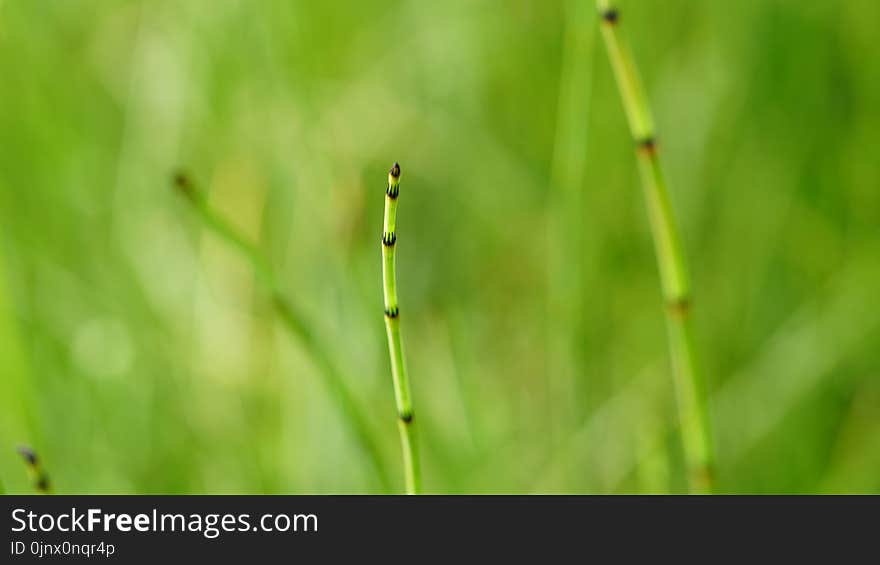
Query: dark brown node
{"x": 678, "y": 307}
{"x": 388, "y": 239}
{"x": 43, "y": 484}
{"x": 406, "y": 417}
{"x": 611, "y": 16}
{"x": 392, "y": 312}
{"x": 647, "y": 146}
{"x": 183, "y": 183}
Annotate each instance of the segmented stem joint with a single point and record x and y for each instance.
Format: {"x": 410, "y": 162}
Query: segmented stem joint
{"x": 183, "y": 184}
{"x": 679, "y": 307}
{"x": 610, "y": 15}
{"x": 647, "y": 146}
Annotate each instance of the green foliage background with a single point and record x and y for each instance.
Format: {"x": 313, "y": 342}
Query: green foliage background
{"x": 137, "y": 353}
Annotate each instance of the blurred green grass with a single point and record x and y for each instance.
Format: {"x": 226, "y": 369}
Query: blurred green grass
{"x": 138, "y": 355}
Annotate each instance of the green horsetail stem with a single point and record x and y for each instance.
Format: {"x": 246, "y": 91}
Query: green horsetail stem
{"x": 399, "y": 377}
{"x": 674, "y": 278}
{"x": 36, "y": 472}
{"x": 293, "y": 321}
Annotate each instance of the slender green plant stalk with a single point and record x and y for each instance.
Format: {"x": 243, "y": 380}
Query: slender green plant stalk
{"x": 37, "y": 473}
{"x": 395, "y": 345}
{"x": 2, "y": 488}
{"x": 674, "y": 278}
{"x": 293, "y": 321}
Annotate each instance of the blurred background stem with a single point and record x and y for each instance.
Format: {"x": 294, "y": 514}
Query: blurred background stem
{"x": 36, "y": 471}
{"x": 566, "y": 253}
{"x": 674, "y": 278}
{"x": 349, "y": 409}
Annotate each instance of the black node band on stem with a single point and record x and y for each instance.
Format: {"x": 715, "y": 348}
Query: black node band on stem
{"x": 392, "y": 191}
{"x": 392, "y": 312}
{"x": 611, "y": 15}
{"x": 389, "y": 239}
{"x": 647, "y": 145}
{"x": 406, "y": 417}
{"x": 28, "y": 455}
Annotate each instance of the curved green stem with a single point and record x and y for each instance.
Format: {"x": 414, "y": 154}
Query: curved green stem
{"x": 402, "y": 397}
{"x": 294, "y": 322}
{"x": 674, "y": 278}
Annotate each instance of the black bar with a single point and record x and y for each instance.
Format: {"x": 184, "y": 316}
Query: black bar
{"x": 409, "y": 530}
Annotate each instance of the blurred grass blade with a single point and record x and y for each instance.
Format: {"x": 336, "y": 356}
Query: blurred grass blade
{"x": 293, "y": 321}
{"x": 815, "y": 341}
{"x": 402, "y": 396}
{"x": 566, "y": 246}
{"x": 674, "y": 278}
